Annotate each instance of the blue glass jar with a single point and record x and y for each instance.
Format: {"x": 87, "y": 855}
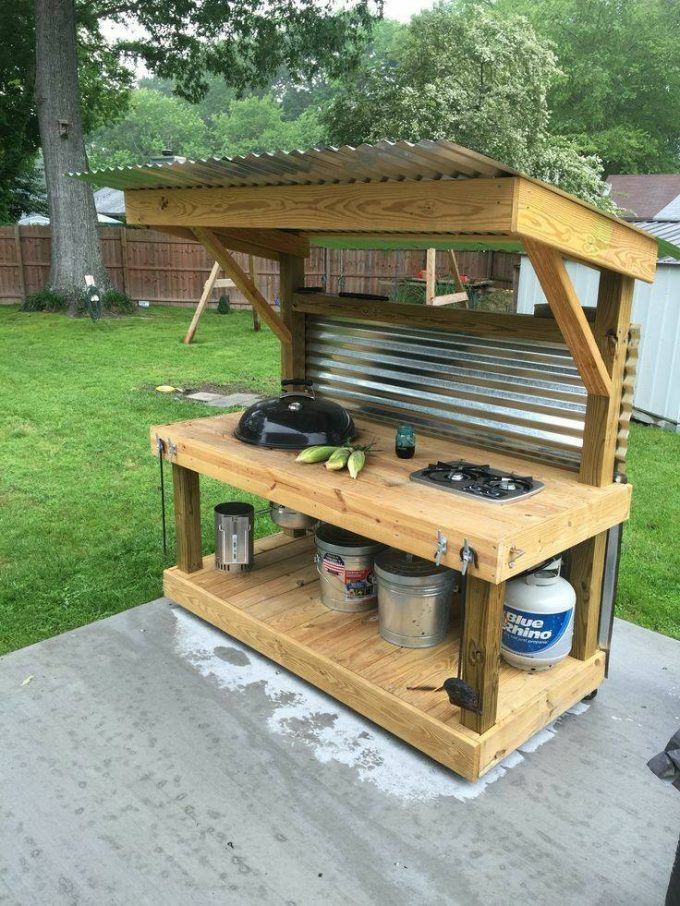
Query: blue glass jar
{"x": 405, "y": 442}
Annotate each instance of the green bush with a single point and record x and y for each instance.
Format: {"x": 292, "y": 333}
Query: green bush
{"x": 223, "y": 305}
{"x": 117, "y": 302}
{"x": 45, "y": 299}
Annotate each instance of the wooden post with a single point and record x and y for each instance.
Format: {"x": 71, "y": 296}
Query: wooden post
{"x": 187, "y": 519}
{"x": 202, "y": 303}
{"x": 124, "y": 259}
{"x": 430, "y": 276}
{"x": 611, "y": 328}
{"x": 20, "y": 262}
{"x": 251, "y": 271}
{"x": 481, "y": 649}
{"x": 586, "y": 572}
{"x": 292, "y": 276}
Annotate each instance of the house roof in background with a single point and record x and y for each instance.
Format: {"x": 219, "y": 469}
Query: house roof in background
{"x": 647, "y": 196}
{"x": 110, "y": 201}
{"x": 41, "y": 220}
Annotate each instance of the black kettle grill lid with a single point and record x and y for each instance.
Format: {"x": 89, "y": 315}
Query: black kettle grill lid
{"x": 295, "y": 420}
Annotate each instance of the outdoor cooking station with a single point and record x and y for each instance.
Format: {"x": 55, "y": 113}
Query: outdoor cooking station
{"x": 539, "y": 397}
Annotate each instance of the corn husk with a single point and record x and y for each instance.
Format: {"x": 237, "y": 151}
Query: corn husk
{"x": 315, "y": 454}
{"x": 338, "y": 460}
{"x": 356, "y": 462}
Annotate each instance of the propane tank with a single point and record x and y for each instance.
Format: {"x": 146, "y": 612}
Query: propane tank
{"x": 538, "y": 618}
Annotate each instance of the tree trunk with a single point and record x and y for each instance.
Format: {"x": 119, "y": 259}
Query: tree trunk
{"x": 75, "y": 237}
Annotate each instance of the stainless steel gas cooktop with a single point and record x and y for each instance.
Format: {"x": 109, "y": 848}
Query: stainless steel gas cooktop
{"x": 476, "y": 480}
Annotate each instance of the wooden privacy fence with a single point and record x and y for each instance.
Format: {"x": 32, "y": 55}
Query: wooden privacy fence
{"x": 161, "y": 268}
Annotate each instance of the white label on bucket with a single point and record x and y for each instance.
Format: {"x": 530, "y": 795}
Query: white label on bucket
{"x": 358, "y": 583}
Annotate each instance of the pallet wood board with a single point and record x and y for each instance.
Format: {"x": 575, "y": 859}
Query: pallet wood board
{"x": 276, "y": 610}
{"x": 385, "y": 505}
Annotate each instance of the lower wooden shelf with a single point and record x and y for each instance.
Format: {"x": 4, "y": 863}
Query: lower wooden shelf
{"x": 276, "y": 610}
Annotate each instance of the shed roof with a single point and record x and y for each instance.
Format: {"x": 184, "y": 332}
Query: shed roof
{"x": 386, "y": 160}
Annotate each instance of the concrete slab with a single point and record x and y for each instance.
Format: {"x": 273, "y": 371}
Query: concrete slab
{"x": 153, "y": 760}
{"x": 235, "y": 399}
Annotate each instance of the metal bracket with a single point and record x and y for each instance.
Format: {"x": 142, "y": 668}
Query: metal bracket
{"x": 467, "y": 557}
{"x": 515, "y": 554}
{"x": 441, "y": 548}
{"x": 166, "y": 446}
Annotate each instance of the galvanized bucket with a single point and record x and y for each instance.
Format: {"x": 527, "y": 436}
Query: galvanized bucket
{"x": 414, "y": 599}
{"x": 345, "y": 565}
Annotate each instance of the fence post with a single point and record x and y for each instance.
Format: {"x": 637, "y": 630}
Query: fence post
{"x": 20, "y": 262}
{"x": 124, "y": 257}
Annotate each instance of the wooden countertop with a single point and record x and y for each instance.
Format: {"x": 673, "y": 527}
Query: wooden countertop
{"x": 383, "y": 504}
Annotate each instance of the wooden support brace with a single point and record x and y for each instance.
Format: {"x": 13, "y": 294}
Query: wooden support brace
{"x": 458, "y": 285}
{"x": 292, "y": 277}
{"x": 559, "y": 291}
{"x": 212, "y": 243}
{"x": 187, "y": 500}
{"x": 611, "y": 329}
{"x": 430, "y": 276}
{"x": 482, "y": 649}
{"x": 586, "y": 572}
{"x": 202, "y": 303}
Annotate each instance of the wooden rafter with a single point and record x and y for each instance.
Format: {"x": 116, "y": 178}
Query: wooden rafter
{"x": 565, "y": 306}
{"x": 229, "y": 265}
{"x": 202, "y": 303}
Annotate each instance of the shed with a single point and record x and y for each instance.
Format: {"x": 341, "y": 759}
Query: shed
{"x": 526, "y": 393}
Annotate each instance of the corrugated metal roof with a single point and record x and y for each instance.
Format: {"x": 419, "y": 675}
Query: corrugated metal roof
{"x": 383, "y": 161}
{"x": 667, "y": 234}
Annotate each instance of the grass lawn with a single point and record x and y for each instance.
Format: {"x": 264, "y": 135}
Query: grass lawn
{"x": 79, "y": 504}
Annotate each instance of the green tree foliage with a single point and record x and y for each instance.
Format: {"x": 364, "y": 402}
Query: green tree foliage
{"x": 257, "y": 124}
{"x": 619, "y": 95}
{"x": 154, "y": 122}
{"x": 462, "y": 72}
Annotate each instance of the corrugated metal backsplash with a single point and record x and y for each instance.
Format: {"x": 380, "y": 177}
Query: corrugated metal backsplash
{"x": 513, "y": 395}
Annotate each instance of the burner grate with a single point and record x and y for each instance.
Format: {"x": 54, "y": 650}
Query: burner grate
{"x": 483, "y": 481}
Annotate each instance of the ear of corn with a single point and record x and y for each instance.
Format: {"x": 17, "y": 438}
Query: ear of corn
{"x": 315, "y": 454}
{"x": 338, "y": 460}
{"x": 356, "y": 462}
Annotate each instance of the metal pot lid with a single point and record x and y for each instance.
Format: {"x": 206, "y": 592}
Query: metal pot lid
{"x": 294, "y": 421}
{"x": 336, "y": 540}
{"x": 408, "y": 569}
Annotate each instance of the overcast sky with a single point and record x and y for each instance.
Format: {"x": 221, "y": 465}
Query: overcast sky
{"x": 404, "y": 9}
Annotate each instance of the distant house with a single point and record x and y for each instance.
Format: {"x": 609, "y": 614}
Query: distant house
{"x": 652, "y": 203}
{"x": 110, "y": 205}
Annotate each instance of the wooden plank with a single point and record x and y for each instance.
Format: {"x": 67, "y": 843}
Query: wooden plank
{"x": 586, "y": 572}
{"x": 20, "y": 261}
{"x": 187, "y": 499}
{"x": 611, "y": 328}
{"x": 485, "y": 323}
{"x": 269, "y": 241}
{"x": 578, "y": 231}
{"x": 292, "y": 277}
{"x": 415, "y": 727}
{"x": 449, "y": 298}
{"x": 430, "y": 275}
{"x": 229, "y": 265}
{"x": 253, "y": 277}
{"x": 202, "y": 303}
{"x": 275, "y": 608}
{"x": 384, "y": 504}
{"x": 558, "y": 289}
{"x": 482, "y": 649}
{"x": 468, "y": 205}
